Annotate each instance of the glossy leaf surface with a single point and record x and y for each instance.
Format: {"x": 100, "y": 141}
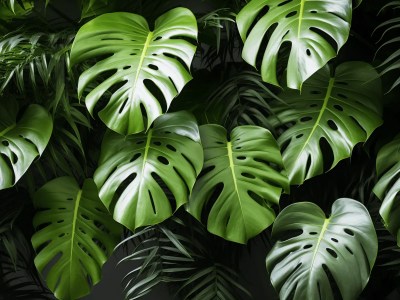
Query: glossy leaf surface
{"x": 240, "y": 182}
{"x": 332, "y": 112}
{"x": 316, "y": 257}
{"x": 388, "y": 187}
{"x": 314, "y": 31}
{"x": 140, "y": 64}
{"x": 76, "y": 236}
{"x": 21, "y": 141}
{"x": 144, "y": 178}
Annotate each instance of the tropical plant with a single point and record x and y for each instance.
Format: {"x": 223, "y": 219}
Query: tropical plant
{"x": 187, "y": 135}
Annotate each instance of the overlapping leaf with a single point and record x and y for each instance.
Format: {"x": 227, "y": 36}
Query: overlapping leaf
{"x": 75, "y": 236}
{"x": 21, "y": 141}
{"x": 327, "y": 256}
{"x": 138, "y": 63}
{"x": 145, "y": 177}
{"x": 240, "y": 183}
{"x": 315, "y": 30}
{"x": 337, "y": 112}
{"x": 388, "y": 187}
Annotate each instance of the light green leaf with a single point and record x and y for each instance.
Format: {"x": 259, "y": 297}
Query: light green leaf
{"x": 240, "y": 182}
{"x": 76, "y": 236}
{"x": 21, "y": 141}
{"x": 136, "y": 59}
{"x": 302, "y": 24}
{"x": 315, "y": 256}
{"x": 388, "y": 186}
{"x": 339, "y": 111}
{"x": 144, "y": 178}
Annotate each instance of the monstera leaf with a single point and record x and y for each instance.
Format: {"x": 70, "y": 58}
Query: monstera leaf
{"x": 240, "y": 181}
{"x": 388, "y": 186}
{"x": 337, "y": 112}
{"x": 330, "y": 258}
{"x": 21, "y": 141}
{"x": 75, "y": 236}
{"x": 140, "y": 64}
{"x": 144, "y": 178}
{"x": 315, "y": 30}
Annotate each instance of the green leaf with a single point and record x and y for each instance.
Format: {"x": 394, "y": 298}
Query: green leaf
{"x": 305, "y": 25}
{"x": 143, "y": 63}
{"x": 21, "y": 141}
{"x": 388, "y": 186}
{"x": 76, "y": 236}
{"x": 240, "y": 182}
{"x": 11, "y": 9}
{"x": 327, "y": 255}
{"x": 144, "y": 178}
{"x": 391, "y": 44}
{"x": 338, "y": 111}
{"x": 91, "y": 8}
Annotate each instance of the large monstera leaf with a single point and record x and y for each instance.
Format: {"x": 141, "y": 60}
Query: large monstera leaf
{"x": 21, "y": 141}
{"x": 337, "y": 112}
{"x": 315, "y": 30}
{"x": 145, "y": 68}
{"x": 240, "y": 182}
{"x": 145, "y": 177}
{"x": 327, "y": 258}
{"x": 388, "y": 186}
{"x": 75, "y": 236}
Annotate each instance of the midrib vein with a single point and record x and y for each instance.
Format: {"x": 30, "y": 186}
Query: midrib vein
{"x": 74, "y": 219}
{"x": 321, "y": 235}
{"x": 301, "y": 13}
{"x": 323, "y": 108}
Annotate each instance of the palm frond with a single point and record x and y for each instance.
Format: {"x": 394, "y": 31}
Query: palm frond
{"x": 240, "y": 100}
{"x": 183, "y": 256}
{"x": 390, "y": 42}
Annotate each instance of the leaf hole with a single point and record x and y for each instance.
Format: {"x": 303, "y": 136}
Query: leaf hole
{"x": 313, "y": 105}
{"x": 153, "y": 67}
{"x": 214, "y": 194}
{"x": 284, "y": 3}
{"x": 5, "y": 143}
{"x": 291, "y": 14}
{"x": 305, "y": 119}
{"x": 248, "y": 175}
{"x": 135, "y": 157}
{"x": 126, "y": 67}
{"x": 241, "y": 157}
{"x": 332, "y": 125}
{"x": 156, "y": 92}
{"x": 326, "y": 37}
{"x": 334, "y": 240}
{"x": 299, "y": 136}
{"x": 316, "y": 92}
{"x": 343, "y": 96}
{"x": 332, "y": 252}
{"x": 338, "y": 107}
{"x": 307, "y": 247}
{"x": 308, "y": 52}
{"x": 163, "y": 160}
{"x": 349, "y": 250}
{"x": 157, "y": 143}
{"x": 348, "y": 231}
{"x": 170, "y": 147}
{"x": 313, "y": 233}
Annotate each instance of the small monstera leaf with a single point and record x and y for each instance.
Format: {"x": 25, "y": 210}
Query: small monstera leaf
{"x": 315, "y": 30}
{"x": 75, "y": 236}
{"x": 21, "y": 141}
{"x": 331, "y": 258}
{"x": 141, "y": 64}
{"x": 388, "y": 186}
{"x": 240, "y": 182}
{"x": 144, "y": 178}
{"x": 337, "y": 112}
